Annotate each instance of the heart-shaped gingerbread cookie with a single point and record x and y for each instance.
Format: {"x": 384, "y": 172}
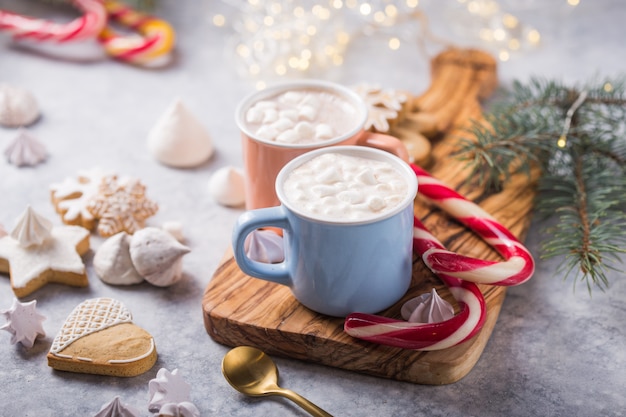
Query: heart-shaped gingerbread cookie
{"x": 98, "y": 337}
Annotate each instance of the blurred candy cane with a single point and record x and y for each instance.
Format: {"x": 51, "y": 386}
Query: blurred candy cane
{"x": 87, "y": 26}
{"x": 458, "y": 272}
{"x": 155, "y": 42}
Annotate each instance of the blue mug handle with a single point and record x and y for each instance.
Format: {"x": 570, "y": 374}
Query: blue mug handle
{"x": 246, "y": 224}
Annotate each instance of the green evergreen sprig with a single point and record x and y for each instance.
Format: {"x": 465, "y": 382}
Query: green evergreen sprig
{"x": 575, "y": 137}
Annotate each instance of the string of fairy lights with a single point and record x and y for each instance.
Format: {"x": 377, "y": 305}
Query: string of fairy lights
{"x": 290, "y": 38}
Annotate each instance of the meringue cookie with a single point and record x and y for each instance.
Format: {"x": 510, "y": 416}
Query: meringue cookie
{"x": 31, "y": 229}
{"x": 3, "y": 232}
{"x": 25, "y": 150}
{"x": 157, "y": 256}
{"x": 265, "y": 246}
{"x": 184, "y": 409}
{"x": 175, "y": 229}
{"x": 112, "y": 261}
{"x": 226, "y": 186}
{"x": 168, "y": 387}
{"x": 427, "y": 308}
{"x": 116, "y": 408}
{"x": 18, "y": 106}
{"x": 24, "y": 323}
{"x": 178, "y": 139}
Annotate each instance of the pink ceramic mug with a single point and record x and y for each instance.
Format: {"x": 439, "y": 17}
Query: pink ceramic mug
{"x": 264, "y": 156}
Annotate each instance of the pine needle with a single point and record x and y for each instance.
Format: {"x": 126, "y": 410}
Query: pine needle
{"x": 576, "y": 136}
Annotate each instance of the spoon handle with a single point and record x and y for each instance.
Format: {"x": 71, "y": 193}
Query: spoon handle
{"x": 306, "y": 405}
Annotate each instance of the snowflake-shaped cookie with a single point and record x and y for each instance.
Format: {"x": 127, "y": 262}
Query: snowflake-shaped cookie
{"x": 71, "y": 196}
{"x": 383, "y": 105}
{"x": 24, "y": 323}
{"x": 121, "y": 205}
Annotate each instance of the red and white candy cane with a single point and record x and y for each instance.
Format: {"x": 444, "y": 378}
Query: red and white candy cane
{"x": 84, "y": 27}
{"x": 458, "y": 272}
{"x": 155, "y": 42}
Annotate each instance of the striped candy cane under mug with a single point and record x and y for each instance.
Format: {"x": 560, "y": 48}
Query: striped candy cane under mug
{"x": 87, "y": 26}
{"x": 460, "y": 273}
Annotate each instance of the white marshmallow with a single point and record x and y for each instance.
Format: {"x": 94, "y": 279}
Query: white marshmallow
{"x": 264, "y": 105}
{"x": 351, "y": 196}
{"x": 366, "y": 177}
{"x": 328, "y": 176}
{"x": 267, "y": 132}
{"x": 282, "y": 124}
{"x": 288, "y": 136}
{"x": 291, "y": 114}
{"x": 376, "y": 203}
{"x": 323, "y": 131}
{"x": 270, "y": 115}
{"x": 307, "y": 113}
{"x": 254, "y": 115}
{"x": 292, "y": 97}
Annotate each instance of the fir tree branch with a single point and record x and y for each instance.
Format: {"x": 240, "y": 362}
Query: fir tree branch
{"x": 577, "y": 139}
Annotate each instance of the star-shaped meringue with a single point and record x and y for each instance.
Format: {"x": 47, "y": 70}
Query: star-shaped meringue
{"x": 167, "y": 387}
{"x": 184, "y": 409}
{"x": 116, "y": 408}
{"x": 24, "y": 322}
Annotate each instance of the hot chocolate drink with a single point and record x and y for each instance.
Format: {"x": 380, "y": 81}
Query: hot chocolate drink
{"x": 302, "y": 116}
{"x": 341, "y": 187}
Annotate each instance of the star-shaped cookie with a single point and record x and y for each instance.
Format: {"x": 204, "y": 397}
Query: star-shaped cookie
{"x": 56, "y": 260}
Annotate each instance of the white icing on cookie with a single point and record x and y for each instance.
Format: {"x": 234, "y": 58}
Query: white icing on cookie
{"x": 57, "y": 253}
{"x": 179, "y": 139}
{"x": 137, "y": 358}
{"x": 89, "y": 317}
{"x": 71, "y": 196}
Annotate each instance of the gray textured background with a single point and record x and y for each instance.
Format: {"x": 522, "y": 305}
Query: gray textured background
{"x": 554, "y": 352}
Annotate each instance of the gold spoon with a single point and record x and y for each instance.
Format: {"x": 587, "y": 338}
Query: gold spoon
{"x": 251, "y": 372}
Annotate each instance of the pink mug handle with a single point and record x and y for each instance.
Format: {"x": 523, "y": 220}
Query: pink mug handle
{"x": 384, "y": 143}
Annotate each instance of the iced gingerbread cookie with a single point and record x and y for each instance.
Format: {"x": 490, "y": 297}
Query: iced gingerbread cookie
{"x": 36, "y": 253}
{"x": 71, "y": 196}
{"x": 120, "y": 205}
{"x": 387, "y": 110}
{"x": 99, "y": 337}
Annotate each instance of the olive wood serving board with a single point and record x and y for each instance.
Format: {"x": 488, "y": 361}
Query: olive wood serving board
{"x": 241, "y": 310}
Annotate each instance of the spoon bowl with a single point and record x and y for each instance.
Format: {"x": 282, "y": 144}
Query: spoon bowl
{"x": 251, "y": 372}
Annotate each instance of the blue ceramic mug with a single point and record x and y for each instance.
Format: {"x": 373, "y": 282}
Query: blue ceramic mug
{"x": 336, "y": 266}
